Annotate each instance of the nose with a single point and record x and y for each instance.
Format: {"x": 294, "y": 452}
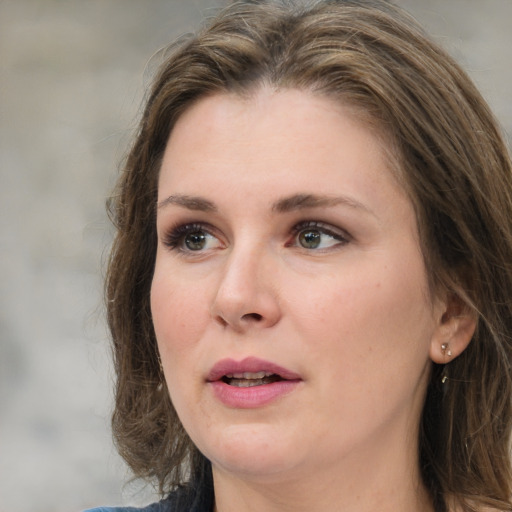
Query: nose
{"x": 246, "y": 296}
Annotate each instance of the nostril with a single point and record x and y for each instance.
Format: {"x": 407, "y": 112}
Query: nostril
{"x": 252, "y": 316}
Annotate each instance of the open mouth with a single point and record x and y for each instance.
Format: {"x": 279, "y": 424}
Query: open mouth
{"x": 250, "y": 383}
{"x": 250, "y": 379}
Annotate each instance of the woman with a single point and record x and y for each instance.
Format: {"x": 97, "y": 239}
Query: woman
{"x": 310, "y": 290}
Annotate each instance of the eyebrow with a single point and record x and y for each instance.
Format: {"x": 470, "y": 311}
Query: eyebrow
{"x": 303, "y": 201}
{"x": 287, "y": 204}
{"x": 190, "y": 202}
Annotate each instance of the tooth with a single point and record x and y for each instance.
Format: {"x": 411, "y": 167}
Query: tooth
{"x": 246, "y": 383}
{"x": 255, "y": 375}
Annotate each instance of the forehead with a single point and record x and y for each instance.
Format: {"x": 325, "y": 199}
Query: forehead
{"x": 270, "y": 126}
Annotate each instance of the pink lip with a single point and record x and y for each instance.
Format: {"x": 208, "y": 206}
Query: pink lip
{"x": 255, "y": 396}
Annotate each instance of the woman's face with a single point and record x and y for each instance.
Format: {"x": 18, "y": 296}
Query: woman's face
{"x": 289, "y": 297}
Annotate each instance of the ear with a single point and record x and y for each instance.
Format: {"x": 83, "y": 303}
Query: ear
{"x": 456, "y": 324}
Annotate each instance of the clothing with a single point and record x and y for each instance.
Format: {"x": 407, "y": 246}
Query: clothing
{"x": 185, "y": 499}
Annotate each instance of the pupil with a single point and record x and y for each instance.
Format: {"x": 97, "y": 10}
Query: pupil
{"x": 309, "y": 239}
{"x": 195, "y": 241}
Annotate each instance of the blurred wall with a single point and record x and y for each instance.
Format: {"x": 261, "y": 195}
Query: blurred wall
{"x": 72, "y": 79}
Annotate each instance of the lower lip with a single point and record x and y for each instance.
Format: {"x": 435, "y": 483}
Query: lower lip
{"x": 254, "y": 396}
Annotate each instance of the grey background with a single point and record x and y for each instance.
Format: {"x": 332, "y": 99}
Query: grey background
{"x": 72, "y": 79}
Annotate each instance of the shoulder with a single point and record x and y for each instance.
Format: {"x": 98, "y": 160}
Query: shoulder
{"x": 154, "y": 507}
{"x": 167, "y": 505}
{"x": 184, "y": 499}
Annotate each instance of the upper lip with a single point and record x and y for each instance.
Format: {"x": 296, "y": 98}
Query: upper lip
{"x": 251, "y": 365}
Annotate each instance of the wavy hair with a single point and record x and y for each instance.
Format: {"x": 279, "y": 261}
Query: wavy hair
{"x": 451, "y": 159}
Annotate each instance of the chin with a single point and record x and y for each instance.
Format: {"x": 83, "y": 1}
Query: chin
{"x": 253, "y": 450}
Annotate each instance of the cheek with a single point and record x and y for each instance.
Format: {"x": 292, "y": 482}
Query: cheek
{"x": 370, "y": 334}
{"x": 372, "y": 311}
{"x": 177, "y": 317}
{"x": 178, "y": 328}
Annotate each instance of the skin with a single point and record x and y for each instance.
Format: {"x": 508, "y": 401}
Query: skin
{"x": 353, "y": 316}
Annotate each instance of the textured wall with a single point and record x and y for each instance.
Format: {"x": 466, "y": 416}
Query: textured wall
{"x": 72, "y": 78}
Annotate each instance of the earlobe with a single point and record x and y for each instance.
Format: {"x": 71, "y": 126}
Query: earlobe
{"x": 456, "y": 326}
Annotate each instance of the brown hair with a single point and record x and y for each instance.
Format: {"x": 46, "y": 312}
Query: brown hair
{"x": 454, "y": 165}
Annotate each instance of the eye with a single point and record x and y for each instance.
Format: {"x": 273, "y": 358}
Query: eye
{"x": 191, "y": 238}
{"x": 315, "y": 235}
{"x": 196, "y": 240}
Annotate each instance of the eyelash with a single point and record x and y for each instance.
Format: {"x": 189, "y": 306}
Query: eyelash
{"x": 174, "y": 239}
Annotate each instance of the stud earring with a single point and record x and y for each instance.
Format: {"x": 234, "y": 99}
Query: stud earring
{"x": 445, "y": 348}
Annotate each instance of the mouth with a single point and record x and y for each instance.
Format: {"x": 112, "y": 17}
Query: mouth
{"x": 250, "y": 379}
{"x": 249, "y": 372}
{"x": 251, "y": 383}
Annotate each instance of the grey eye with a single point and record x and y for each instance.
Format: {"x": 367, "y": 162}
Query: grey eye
{"x": 195, "y": 241}
{"x": 310, "y": 238}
